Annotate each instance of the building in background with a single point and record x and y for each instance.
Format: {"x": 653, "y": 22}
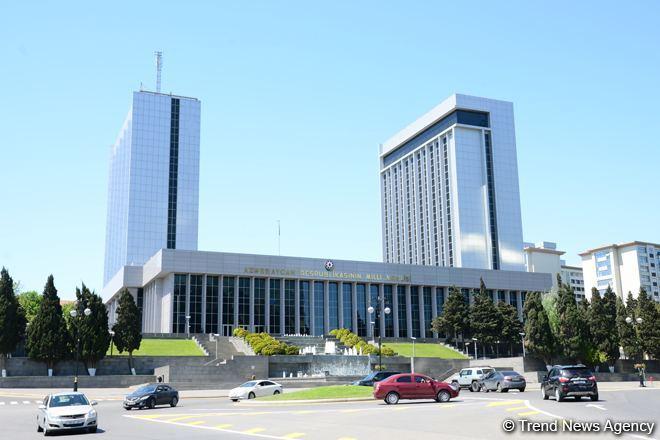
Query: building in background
{"x": 153, "y": 189}
{"x": 544, "y": 257}
{"x": 626, "y": 267}
{"x": 449, "y": 188}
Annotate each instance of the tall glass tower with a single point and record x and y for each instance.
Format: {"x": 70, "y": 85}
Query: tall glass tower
{"x": 153, "y": 189}
{"x": 449, "y": 188}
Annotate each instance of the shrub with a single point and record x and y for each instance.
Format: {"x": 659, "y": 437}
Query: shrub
{"x": 264, "y": 344}
{"x": 387, "y": 351}
{"x": 292, "y": 349}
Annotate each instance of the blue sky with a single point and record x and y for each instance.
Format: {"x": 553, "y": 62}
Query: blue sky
{"x": 297, "y": 96}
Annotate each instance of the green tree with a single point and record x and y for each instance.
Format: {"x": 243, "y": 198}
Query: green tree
{"x": 128, "y": 329}
{"x": 485, "y": 323}
{"x": 539, "y": 339}
{"x": 627, "y": 333}
{"x": 549, "y": 301}
{"x": 511, "y": 327}
{"x": 30, "y": 302}
{"x": 588, "y": 352}
{"x": 12, "y": 318}
{"x": 649, "y": 328}
{"x": 569, "y": 329}
{"x": 47, "y": 338}
{"x": 92, "y": 330}
{"x": 455, "y": 316}
{"x": 610, "y": 345}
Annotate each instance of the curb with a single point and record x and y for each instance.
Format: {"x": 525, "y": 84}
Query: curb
{"x": 284, "y": 402}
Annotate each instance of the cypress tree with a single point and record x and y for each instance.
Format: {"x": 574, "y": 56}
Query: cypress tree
{"x": 610, "y": 345}
{"x": 627, "y": 333}
{"x": 511, "y": 327}
{"x": 485, "y": 324}
{"x": 568, "y": 320}
{"x": 128, "y": 329}
{"x": 588, "y": 351}
{"x": 455, "y": 317}
{"x": 47, "y": 338}
{"x": 649, "y": 329}
{"x": 12, "y": 318}
{"x": 93, "y": 329}
{"x": 538, "y": 336}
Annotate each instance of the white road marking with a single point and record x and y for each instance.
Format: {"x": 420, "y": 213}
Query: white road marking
{"x": 2, "y": 403}
{"x": 26, "y": 402}
{"x": 600, "y": 407}
{"x": 13, "y": 403}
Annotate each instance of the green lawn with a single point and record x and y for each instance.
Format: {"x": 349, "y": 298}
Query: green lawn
{"x": 329, "y": 392}
{"x": 164, "y": 347}
{"x": 424, "y": 350}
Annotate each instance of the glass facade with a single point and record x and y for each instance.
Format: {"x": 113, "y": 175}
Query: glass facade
{"x": 173, "y": 174}
{"x": 179, "y": 304}
{"x": 402, "y": 312}
{"x": 228, "y": 295}
{"x": 361, "y": 293}
{"x": 274, "y": 307}
{"x": 389, "y": 318}
{"x": 196, "y": 303}
{"x": 428, "y": 311}
{"x": 414, "y": 310}
{"x": 439, "y": 300}
{"x": 290, "y": 307}
{"x": 244, "y": 302}
{"x": 305, "y": 316}
{"x": 259, "y": 305}
{"x": 212, "y": 283}
{"x": 319, "y": 301}
{"x": 347, "y": 299}
{"x": 373, "y": 302}
{"x": 333, "y": 305}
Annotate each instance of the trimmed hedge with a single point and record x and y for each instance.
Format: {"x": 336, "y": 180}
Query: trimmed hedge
{"x": 264, "y": 344}
{"x": 350, "y": 339}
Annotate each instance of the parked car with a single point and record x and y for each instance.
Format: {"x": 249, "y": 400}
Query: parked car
{"x": 148, "y": 396}
{"x": 376, "y": 376}
{"x": 66, "y": 412}
{"x": 255, "y": 388}
{"x": 469, "y": 377}
{"x": 502, "y": 381}
{"x": 569, "y": 381}
{"x": 413, "y": 386}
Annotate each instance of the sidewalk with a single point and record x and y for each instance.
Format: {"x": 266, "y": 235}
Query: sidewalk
{"x": 102, "y": 394}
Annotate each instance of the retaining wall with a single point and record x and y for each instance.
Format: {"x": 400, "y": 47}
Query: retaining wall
{"x": 122, "y": 381}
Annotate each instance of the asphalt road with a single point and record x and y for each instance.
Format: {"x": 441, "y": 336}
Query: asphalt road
{"x": 470, "y": 416}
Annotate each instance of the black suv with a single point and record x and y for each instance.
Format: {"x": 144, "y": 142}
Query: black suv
{"x": 569, "y": 381}
{"x": 370, "y": 379}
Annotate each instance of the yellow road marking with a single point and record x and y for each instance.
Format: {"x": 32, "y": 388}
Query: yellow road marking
{"x": 176, "y": 419}
{"x": 223, "y": 426}
{"x": 529, "y": 413}
{"x": 505, "y": 403}
{"x": 253, "y": 430}
{"x": 199, "y": 422}
{"x": 294, "y": 435}
{"x": 516, "y": 408}
{"x": 151, "y": 416}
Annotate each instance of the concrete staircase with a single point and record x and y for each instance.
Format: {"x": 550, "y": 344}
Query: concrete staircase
{"x": 226, "y": 349}
{"x": 304, "y": 341}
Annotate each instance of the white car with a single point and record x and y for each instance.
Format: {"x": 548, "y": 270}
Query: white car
{"x": 65, "y": 412}
{"x": 469, "y": 377}
{"x": 255, "y": 388}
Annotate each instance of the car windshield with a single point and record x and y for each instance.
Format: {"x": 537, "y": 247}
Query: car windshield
{"x": 369, "y": 376}
{"x": 248, "y": 384}
{"x": 146, "y": 389}
{"x": 576, "y": 372}
{"x": 68, "y": 400}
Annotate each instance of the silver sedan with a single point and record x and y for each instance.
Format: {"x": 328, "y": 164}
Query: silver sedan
{"x": 502, "y": 381}
{"x": 65, "y": 412}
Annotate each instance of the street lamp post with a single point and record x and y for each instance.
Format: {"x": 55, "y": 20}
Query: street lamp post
{"x": 412, "y": 363}
{"x": 74, "y": 315}
{"x": 386, "y": 311}
{"x": 497, "y": 348}
{"x": 522, "y": 339}
{"x": 187, "y": 326}
{"x": 112, "y": 341}
{"x": 476, "y": 355}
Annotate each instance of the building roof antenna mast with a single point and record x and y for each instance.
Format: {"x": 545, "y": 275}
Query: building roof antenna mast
{"x": 159, "y": 68}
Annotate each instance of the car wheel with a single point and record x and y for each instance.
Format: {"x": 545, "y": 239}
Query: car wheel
{"x": 558, "y": 396}
{"x": 392, "y": 398}
{"x": 578, "y": 398}
{"x": 594, "y": 398}
{"x": 474, "y": 386}
{"x": 151, "y": 404}
{"x": 499, "y": 388}
{"x": 543, "y": 394}
{"x": 251, "y": 395}
{"x": 522, "y": 390}
{"x": 92, "y": 430}
{"x": 276, "y": 392}
{"x": 174, "y": 402}
{"x": 443, "y": 396}
{"x": 127, "y": 408}
{"x": 46, "y": 432}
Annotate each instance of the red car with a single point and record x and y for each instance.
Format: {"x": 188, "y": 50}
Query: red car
{"x": 413, "y": 386}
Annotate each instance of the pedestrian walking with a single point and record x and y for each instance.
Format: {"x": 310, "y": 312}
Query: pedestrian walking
{"x": 642, "y": 375}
